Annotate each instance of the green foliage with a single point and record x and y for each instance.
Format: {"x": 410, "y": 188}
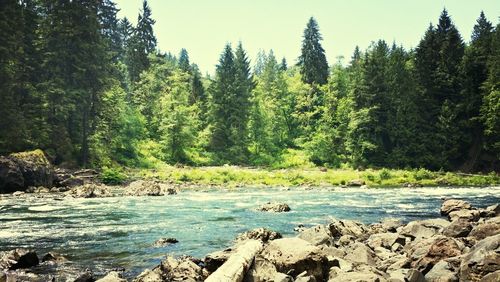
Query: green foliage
{"x": 112, "y": 176}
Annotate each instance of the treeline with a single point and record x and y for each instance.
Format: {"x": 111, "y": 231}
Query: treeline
{"x": 93, "y": 90}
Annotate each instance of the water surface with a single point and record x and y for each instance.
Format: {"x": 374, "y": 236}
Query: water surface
{"x": 106, "y": 233}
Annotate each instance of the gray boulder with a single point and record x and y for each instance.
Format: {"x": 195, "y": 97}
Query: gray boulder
{"x": 460, "y": 227}
{"x": 451, "y": 205}
{"x": 317, "y": 235}
{"x": 485, "y": 229}
{"x": 361, "y": 254}
{"x": 339, "y": 228}
{"x": 113, "y": 276}
{"x": 291, "y": 256}
{"x": 90, "y": 191}
{"x": 481, "y": 260}
{"x": 17, "y": 259}
{"x": 443, "y": 271}
{"x": 422, "y": 229}
{"x": 11, "y": 178}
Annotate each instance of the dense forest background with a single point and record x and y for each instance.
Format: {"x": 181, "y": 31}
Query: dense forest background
{"x": 93, "y": 90}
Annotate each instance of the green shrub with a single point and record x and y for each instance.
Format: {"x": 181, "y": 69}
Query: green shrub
{"x": 422, "y": 174}
{"x": 384, "y": 174}
{"x": 112, "y": 176}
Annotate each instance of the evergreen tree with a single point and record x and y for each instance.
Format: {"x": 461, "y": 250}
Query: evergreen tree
{"x": 312, "y": 61}
{"x": 491, "y": 105}
{"x": 438, "y": 60}
{"x": 223, "y": 90}
{"x": 12, "y": 124}
{"x": 283, "y": 65}
{"x": 368, "y": 136}
{"x": 474, "y": 75}
{"x": 107, "y": 11}
{"x": 184, "y": 61}
{"x": 141, "y": 44}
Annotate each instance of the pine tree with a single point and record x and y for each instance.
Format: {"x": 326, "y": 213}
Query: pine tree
{"x": 108, "y": 21}
{"x": 184, "y": 61}
{"x": 12, "y": 126}
{"x": 223, "y": 90}
{"x": 474, "y": 75}
{"x": 141, "y": 44}
{"x": 491, "y": 104}
{"x": 283, "y": 65}
{"x": 312, "y": 61}
{"x": 438, "y": 60}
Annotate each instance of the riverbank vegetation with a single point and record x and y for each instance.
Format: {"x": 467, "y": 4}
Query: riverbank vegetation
{"x": 93, "y": 90}
{"x": 235, "y": 176}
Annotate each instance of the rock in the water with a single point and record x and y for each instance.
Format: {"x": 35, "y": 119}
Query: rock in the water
{"x": 11, "y": 177}
{"x": 481, "y": 260}
{"x": 356, "y": 183}
{"x": 317, "y": 235}
{"x": 292, "y": 256}
{"x": 460, "y": 227}
{"x": 442, "y": 272}
{"x": 149, "y": 188}
{"x": 261, "y": 234}
{"x": 90, "y": 191}
{"x": 53, "y": 257}
{"x": 449, "y": 206}
{"x": 18, "y": 258}
{"x": 421, "y": 229}
{"x": 485, "y": 229}
{"x": 182, "y": 269}
{"x": 274, "y": 207}
{"x": 162, "y": 242}
{"x": 87, "y": 276}
{"x": 113, "y": 276}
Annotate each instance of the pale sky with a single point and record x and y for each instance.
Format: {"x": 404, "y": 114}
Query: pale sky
{"x": 203, "y": 27}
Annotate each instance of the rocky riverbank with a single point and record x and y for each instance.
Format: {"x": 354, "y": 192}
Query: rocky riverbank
{"x": 463, "y": 245}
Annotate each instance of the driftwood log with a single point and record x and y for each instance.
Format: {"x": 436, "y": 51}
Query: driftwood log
{"x": 234, "y": 269}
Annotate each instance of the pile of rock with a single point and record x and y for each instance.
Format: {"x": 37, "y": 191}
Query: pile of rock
{"x": 149, "y": 188}
{"x": 464, "y": 247}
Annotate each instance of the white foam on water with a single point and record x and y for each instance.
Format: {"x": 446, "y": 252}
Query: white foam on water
{"x": 45, "y": 208}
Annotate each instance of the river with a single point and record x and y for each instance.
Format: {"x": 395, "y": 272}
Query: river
{"x": 107, "y": 233}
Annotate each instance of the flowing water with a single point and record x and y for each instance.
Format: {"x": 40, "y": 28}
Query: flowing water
{"x": 118, "y": 232}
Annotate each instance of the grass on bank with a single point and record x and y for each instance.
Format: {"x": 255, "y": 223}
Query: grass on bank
{"x": 233, "y": 176}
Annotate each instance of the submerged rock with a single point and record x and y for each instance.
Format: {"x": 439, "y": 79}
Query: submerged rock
{"x": 162, "y": 242}
{"x": 90, "y": 191}
{"x": 149, "y": 188}
{"x": 274, "y": 207}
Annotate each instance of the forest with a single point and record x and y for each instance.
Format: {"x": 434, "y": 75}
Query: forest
{"x": 93, "y": 90}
